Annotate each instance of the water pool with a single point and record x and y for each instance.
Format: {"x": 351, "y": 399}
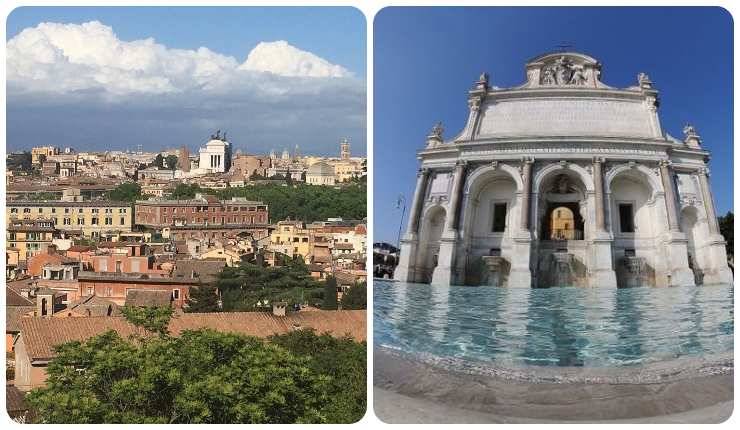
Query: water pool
{"x": 580, "y": 327}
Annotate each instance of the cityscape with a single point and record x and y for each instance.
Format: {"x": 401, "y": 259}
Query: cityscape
{"x": 224, "y": 275}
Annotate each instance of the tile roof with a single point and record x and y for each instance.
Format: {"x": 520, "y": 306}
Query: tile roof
{"x": 205, "y": 270}
{"x": 13, "y": 315}
{"x": 158, "y": 298}
{"x": 13, "y": 298}
{"x": 14, "y": 400}
{"x": 41, "y": 334}
{"x": 96, "y": 305}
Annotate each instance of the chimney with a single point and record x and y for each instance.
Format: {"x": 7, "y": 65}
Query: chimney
{"x": 278, "y": 308}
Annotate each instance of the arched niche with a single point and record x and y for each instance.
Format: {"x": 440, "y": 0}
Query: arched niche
{"x": 432, "y": 226}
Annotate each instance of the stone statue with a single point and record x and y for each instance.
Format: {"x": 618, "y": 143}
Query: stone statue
{"x": 483, "y": 78}
{"x": 548, "y": 76}
{"x": 644, "y": 80}
{"x": 689, "y": 130}
{"x": 578, "y": 77}
{"x": 216, "y": 136}
{"x": 437, "y": 130}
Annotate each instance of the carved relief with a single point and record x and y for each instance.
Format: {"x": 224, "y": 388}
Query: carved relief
{"x": 563, "y": 71}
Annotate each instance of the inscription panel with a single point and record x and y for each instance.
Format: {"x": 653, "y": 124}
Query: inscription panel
{"x": 441, "y": 183}
{"x": 566, "y": 117}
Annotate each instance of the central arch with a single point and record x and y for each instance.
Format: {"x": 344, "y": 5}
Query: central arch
{"x": 432, "y": 226}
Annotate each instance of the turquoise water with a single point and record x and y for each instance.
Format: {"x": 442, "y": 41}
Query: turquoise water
{"x": 589, "y": 327}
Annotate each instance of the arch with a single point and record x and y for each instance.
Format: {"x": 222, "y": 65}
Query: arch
{"x": 432, "y": 226}
{"x": 557, "y": 168}
{"x": 632, "y": 170}
{"x": 483, "y": 174}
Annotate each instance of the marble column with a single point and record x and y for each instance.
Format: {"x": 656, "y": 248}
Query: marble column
{"x": 598, "y": 164}
{"x": 406, "y": 269}
{"x": 418, "y": 202}
{"x": 451, "y": 222}
{"x": 666, "y": 175}
{"x": 706, "y": 197}
{"x": 444, "y": 274}
{"x": 601, "y": 263}
{"x": 526, "y": 192}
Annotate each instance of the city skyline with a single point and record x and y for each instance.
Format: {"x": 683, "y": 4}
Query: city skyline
{"x": 145, "y": 78}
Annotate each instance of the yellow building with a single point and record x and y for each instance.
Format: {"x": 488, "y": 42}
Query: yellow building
{"x": 293, "y": 237}
{"x": 562, "y": 224}
{"x": 346, "y": 170}
{"x": 46, "y": 151}
{"x": 29, "y": 237}
{"x": 91, "y": 218}
{"x": 231, "y": 256}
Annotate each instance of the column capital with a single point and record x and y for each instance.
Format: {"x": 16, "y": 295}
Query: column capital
{"x": 527, "y": 160}
{"x": 423, "y": 171}
{"x": 461, "y": 164}
{"x": 704, "y": 171}
{"x": 665, "y": 163}
{"x": 599, "y": 160}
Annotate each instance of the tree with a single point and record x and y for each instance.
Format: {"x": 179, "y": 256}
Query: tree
{"x": 727, "y": 228}
{"x": 203, "y": 298}
{"x": 126, "y": 192}
{"x": 185, "y": 191}
{"x": 356, "y": 297}
{"x": 249, "y": 287}
{"x": 330, "y": 295}
{"x": 158, "y": 161}
{"x": 171, "y": 161}
{"x": 344, "y": 360}
{"x": 151, "y": 318}
{"x": 202, "y": 376}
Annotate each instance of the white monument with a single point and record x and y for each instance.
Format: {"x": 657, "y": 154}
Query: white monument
{"x": 563, "y": 180}
{"x": 215, "y": 157}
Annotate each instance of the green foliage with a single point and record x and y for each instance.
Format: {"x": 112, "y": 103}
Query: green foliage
{"x": 158, "y": 161}
{"x": 305, "y": 202}
{"x": 185, "y": 191}
{"x": 330, "y": 295}
{"x": 249, "y": 287}
{"x": 43, "y": 196}
{"x": 356, "y": 297}
{"x": 727, "y": 228}
{"x": 201, "y": 376}
{"x": 344, "y": 360}
{"x": 203, "y": 299}
{"x": 171, "y": 161}
{"x": 19, "y": 162}
{"x": 126, "y": 192}
{"x": 153, "y": 319}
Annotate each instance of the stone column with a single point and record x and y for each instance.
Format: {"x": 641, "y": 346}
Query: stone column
{"x": 706, "y": 197}
{"x": 598, "y": 164}
{"x": 451, "y": 222}
{"x": 418, "y": 202}
{"x": 406, "y": 269}
{"x": 527, "y": 191}
{"x": 444, "y": 274}
{"x": 666, "y": 175}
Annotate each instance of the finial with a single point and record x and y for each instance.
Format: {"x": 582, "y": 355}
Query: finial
{"x": 437, "y": 130}
{"x": 644, "y": 80}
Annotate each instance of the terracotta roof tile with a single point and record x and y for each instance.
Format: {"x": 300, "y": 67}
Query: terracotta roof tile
{"x": 41, "y": 334}
{"x": 13, "y": 298}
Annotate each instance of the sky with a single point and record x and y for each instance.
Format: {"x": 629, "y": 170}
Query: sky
{"x": 426, "y": 59}
{"x": 96, "y": 78}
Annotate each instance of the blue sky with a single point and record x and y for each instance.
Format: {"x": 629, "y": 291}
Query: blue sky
{"x": 426, "y": 59}
{"x": 262, "y": 109}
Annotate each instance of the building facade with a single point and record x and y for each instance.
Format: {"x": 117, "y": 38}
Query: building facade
{"x": 91, "y": 218}
{"x": 563, "y": 180}
{"x": 215, "y": 157}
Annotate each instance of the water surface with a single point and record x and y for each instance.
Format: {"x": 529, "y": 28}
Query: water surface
{"x": 566, "y": 326}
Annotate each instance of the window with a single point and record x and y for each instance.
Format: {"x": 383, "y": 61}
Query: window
{"x": 15, "y": 210}
{"x": 123, "y": 220}
{"x": 108, "y": 221}
{"x": 108, "y": 291}
{"x": 79, "y": 211}
{"x": 67, "y": 221}
{"x": 626, "y": 218}
{"x": 176, "y": 294}
{"x": 118, "y": 267}
{"x": 95, "y": 221}
{"x": 80, "y": 221}
{"x": 53, "y": 210}
{"x": 26, "y": 210}
{"x": 499, "y": 217}
{"x": 66, "y": 210}
{"x": 41, "y": 210}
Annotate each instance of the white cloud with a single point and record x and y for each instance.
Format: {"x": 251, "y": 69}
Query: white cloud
{"x": 61, "y": 58}
{"x": 81, "y": 86}
{"x": 281, "y": 58}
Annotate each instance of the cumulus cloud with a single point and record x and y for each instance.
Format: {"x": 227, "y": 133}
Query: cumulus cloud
{"x": 283, "y": 59}
{"x": 70, "y": 57}
{"x": 81, "y": 84}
